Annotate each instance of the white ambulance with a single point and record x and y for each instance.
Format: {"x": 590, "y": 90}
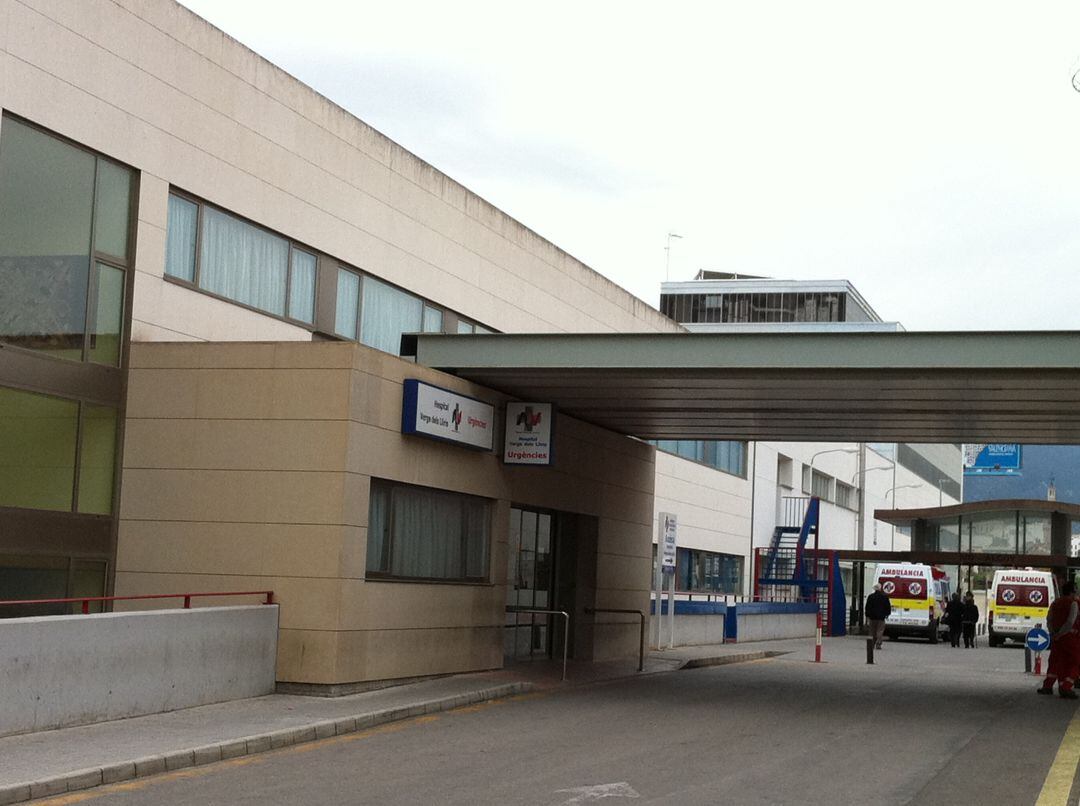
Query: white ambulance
{"x": 918, "y": 594}
{"x": 1019, "y": 599}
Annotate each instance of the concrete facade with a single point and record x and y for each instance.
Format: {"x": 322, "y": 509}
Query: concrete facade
{"x": 130, "y": 664}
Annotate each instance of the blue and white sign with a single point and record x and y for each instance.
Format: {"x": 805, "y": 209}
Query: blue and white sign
{"x": 437, "y": 413}
{"x": 1038, "y": 639}
{"x": 983, "y": 459}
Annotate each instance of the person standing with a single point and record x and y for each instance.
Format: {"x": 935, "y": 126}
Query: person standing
{"x": 954, "y": 618}
{"x": 1061, "y": 622}
{"x": 971, "y": 618}
{"x": 878, "y": 608}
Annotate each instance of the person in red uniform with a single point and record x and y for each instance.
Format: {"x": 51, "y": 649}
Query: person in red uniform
{"x": 1063, "y": 623}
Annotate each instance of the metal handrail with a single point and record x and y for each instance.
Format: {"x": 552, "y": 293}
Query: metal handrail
{"x": 566, "y": 627}
{"x": 641, "y": 643}
{"x": 187, "y": 597}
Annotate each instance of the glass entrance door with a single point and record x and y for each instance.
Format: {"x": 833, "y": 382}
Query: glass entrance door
{"x": 530, "y": 582}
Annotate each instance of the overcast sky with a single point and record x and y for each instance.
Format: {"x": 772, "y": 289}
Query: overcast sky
{"x": 928, "y": 152}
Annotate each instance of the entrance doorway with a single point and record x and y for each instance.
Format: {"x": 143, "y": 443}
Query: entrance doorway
{"x": 541, "y": 564}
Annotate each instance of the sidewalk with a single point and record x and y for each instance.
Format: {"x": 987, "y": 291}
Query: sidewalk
{"x": 52, "y": 762}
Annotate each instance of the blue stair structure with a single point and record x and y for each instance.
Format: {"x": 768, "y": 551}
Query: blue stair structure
{"x": 791, "y": 569}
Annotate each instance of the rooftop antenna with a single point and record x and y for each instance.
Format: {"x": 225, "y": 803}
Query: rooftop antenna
{"x": 667, "y": 255}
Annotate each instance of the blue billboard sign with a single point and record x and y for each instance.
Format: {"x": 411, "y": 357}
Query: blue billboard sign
{"x": 992, "y": 460}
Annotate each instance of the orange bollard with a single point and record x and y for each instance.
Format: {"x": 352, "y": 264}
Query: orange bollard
{"x": 1038, "y": 664}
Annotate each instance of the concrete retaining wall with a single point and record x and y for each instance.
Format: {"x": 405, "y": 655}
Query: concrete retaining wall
{"x": 59, "y": 671}
{"x": 698, "y": 623}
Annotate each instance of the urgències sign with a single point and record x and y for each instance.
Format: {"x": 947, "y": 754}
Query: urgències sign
{"x": 529, "y": 430}
{"x": 437, "y": 413}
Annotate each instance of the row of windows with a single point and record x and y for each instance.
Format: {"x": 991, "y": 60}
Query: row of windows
{"x": 229, "y": 257}
{"x": 995, "y": 532}
{"x": 708, "y": 572}
{"x": 724, "y": 455}
{"x": 65, "y": 218}
{"x": 763, "y": 307}
{"x": 828, "y": 488}
{"x": 55, "y": 453}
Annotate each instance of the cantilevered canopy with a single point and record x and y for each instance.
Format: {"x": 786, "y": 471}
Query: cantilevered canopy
{"x": 910, "y": 387}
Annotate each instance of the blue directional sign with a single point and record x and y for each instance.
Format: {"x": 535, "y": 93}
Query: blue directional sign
{"x": 1038, "y": 639}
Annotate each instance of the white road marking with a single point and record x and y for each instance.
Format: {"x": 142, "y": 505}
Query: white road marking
{"x": 588, "y": 794}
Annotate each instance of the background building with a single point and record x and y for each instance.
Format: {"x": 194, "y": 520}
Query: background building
{"x": 749, "y": 489}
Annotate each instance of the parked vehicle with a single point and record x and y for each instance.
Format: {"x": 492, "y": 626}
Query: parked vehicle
{"x": 1019, "y": 599}
{"x": 918, "y": 594}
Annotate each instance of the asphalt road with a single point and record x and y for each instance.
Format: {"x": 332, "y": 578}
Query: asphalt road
{"x": 925, "y": 724}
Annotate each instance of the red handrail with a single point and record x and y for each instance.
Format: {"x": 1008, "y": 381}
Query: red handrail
{"x": 187, "y": 597}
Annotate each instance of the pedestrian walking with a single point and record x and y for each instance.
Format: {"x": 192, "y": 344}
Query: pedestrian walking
{"x": 954, "y": 619}
{"x": 1061, "y": 621}
{"x": 971, "y": 618}
{"x": 878, "y": 608}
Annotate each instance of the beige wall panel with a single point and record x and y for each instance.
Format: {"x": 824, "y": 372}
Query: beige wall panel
{"x": 307, "y": 603}
{"x": 357, "y": 501}
{"x": 149, "y": 254}
{"x": 377, "y": 605}
{"x": 617, "y": 599}
{"x": 307, "y": 656}
{"x": 387, "y": 654}
{"x": 247, "y": 355}
{"x": 142, "y": 331}
{"x": 618, "y": 572}
{"x": 166, "y": 393}
{"x": 235, "y": 444}
{"x": 625, "y": 539}
{"x": 614, "y": 641}
{"x": 273, "y": 394}
{"x": 259, "y": 549}
{"x": 232, "y": 496}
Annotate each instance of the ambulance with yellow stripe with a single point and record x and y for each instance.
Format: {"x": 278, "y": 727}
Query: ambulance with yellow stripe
{"x": 1019, "y": 599}
{"x": 918, "y": 594}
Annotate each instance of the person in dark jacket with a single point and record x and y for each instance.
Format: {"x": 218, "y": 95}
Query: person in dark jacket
{"x": 878, "y": 608}
{"x": 971, "y": 618}
{"x": 954, "y": 618}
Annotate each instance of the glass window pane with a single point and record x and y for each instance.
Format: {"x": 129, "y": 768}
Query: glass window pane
{"x": 481, "y": 329}
{"x": 46, "y": 201}
{"x": 302, "y": 286}
{"x": 37, "y": 450}
{"x": 433, "y": 320}
{"x": 37, "y": 577}
{"x": 97, "y": 459}
{"x": 105, "y": 340}
{"x": 112, "y": 209}
{"x": 465, "y": 327}
{"x": 348, "y": 301}
{"x": 387, "y": 313}
{"x": 180, "y": 239}
{"x": 242, "y": 262}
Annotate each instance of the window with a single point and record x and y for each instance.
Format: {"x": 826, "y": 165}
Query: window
{"x": 465, "y": 327}
{"x": 433, "y": 320}
{"x": 727, "y": 456}
{"x": 821, "y": 485}
{"x": 708, "y": 572}
{"x": 64, "y": 222}
{"x": 347, "y": 316}
{"x": 42, "y": 440}
{"x": 422, "y": 533}
{"x": 387, "y": 313}
{"x": 227, "y": 256}
{"x": 845, "y": 495}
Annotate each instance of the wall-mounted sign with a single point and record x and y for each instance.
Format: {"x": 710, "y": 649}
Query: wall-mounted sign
{"x": 431, "y": 411}
{"x": 529, "y": 432}
{"x": 669, "y": 528}
{"x": 992, "y": 460}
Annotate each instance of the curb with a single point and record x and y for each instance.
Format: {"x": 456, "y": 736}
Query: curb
{"x": 247, "y": 746}
{"x": 724, "y": 660}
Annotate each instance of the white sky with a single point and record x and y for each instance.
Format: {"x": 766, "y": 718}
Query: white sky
{"x": 929, "y": 152}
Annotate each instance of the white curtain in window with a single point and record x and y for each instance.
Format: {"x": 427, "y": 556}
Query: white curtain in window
{"x": 242, "y": 262}
{"x": 377, "y": 543}
{"x": 426, "y": 534}
{"x": 348, "y": 299}
{"x": 180, "y": 239}
{"x": 302, "y": 286}
{"x": 387, "y": 313}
